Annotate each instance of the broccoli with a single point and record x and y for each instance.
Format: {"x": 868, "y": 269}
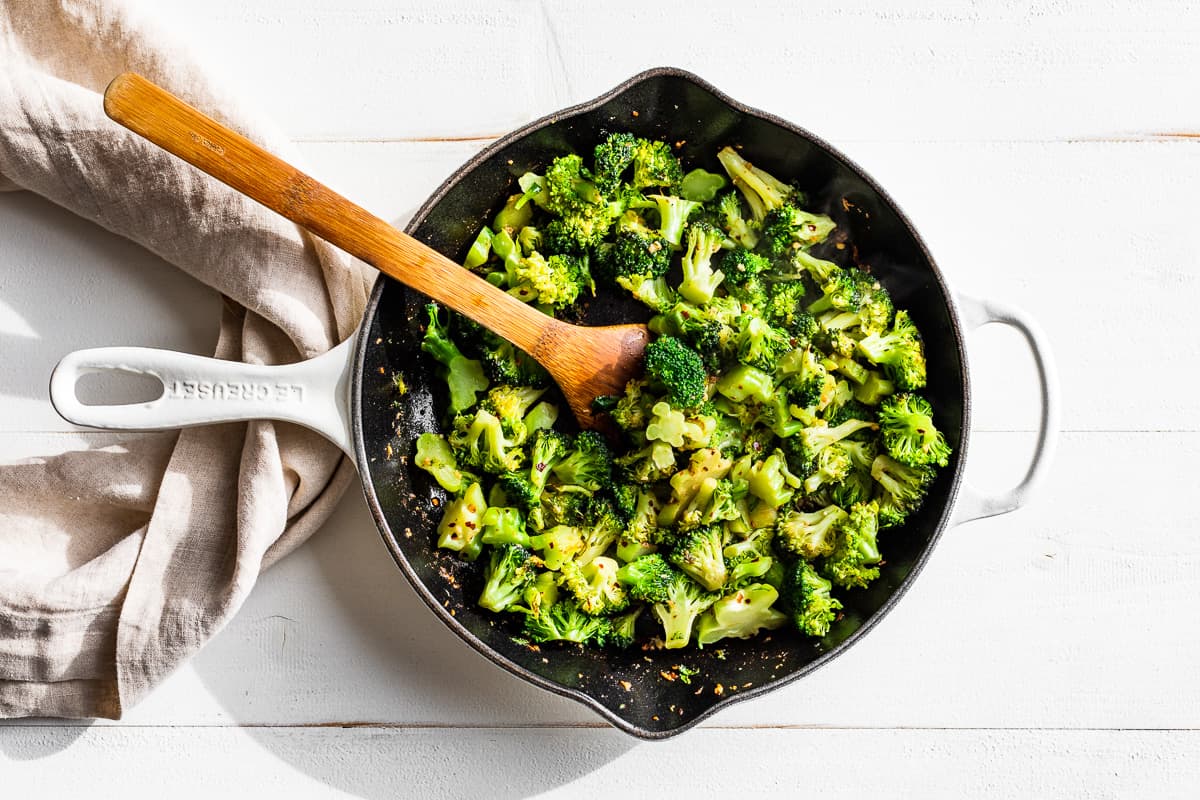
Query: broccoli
{"x": 904, "y": 487}
{"x": 783, "y": 309}
{"x": 611, "y": 159}
{"x": 549, "y": 447}
{"x": 462, "y": 523}
{"x": 464, "y": 376}
{"x": 812, "y": 608}
{"x": 509, "y": 404}
{"x": 700, "y": 280}
{"x": 653, "y": 292}
{"x": 594, "y": 586}
{"x": 852, "y": 564}
{"x": 899, "y": 351}
{"x": 685, "y": 600}
{"x": 540, "y": 594}
{"x": 505, "y": 363}
{"x": 740, "y": 265}
{"x": 804, "y": 448}
{"x": 556, "y": 281}
{"x": 872, "y": 390}
{"x": 858, "y": 485}
{"x": 655, "y": 165}
{"x": 632, "y": 409}
{"x": 740, "y": 615}
{"x": 514, "y": 216}
{"x": 808, "y": 535}
{"x": 741, "y": 231}
{"x": 509, "y": 572}
{"x": 601, "y": 528}
{"x": 771, "y": 481}
{"x": 704, "y": 465}
{"x": 502, "y": 525}
{"x": 751, "y": 294}
{"x": 638, "y": 537}
{"x": 558, "y": 545}
{"x": 832, "y": 465}
{"x": 669, "y": 424}
{"x": 673, "y": 213}
{"x": 435, "y": 457}
{"x": 564, "y": 621}
{"x": 701, "y": 185}
{"x": 533, "y": 187}
{"x": 648, "y": 578}
{"x": 873, "y": 315}
{"x": 541, "y": 417}
{"x": 637, "y": 255}
{"x": 530, "y": 239}
{"x": 586, "y": 467}
{"x": 563, "y": 508}
{"x": 763, "y": 192}
{"x": 481, "y": 248}
{"x": 908, "y": 433}
{"x": 825, "y": 274}
{"x": 622, "y": 629}
{"x": 759, "y": 344}
{"x": 654, "y": 462}
{"x": 671, "y": 363}
{"x": 479, "y": 441}
{"x": 699, "y": 554}
{"x": 746, "y": 382}
{"x": 700, "y": 328}
{"x": 788, "y": 227}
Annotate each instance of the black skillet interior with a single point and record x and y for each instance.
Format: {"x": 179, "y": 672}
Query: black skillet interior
{"x": 678, "y": 107}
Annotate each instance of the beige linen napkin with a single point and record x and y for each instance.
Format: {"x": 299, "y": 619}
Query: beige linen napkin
{"x": 118, "y": 563}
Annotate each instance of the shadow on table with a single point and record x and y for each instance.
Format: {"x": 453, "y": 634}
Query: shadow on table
{"x": 381, "y": 625}
{"x": 49, "y": 737}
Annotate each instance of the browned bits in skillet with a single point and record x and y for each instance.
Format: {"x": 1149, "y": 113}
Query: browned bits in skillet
{"x": 718, "y": 690}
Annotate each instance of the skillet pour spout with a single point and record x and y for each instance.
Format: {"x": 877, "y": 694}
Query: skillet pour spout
{"x": 652, "y": 693}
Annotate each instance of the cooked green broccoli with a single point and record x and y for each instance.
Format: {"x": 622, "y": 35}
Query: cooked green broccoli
{"x": 783, "y": 309}
{"x": 558, "y": 545}
{"x": 503, "y": 525}
{"x": 899, "y": 350}
{"x": 669, "y": 424}
{"x": 740, "y": 615}
{"x": 655, "y": 165}
{"x": 740, "y": 265}
{"x": 832, "y": 465}
{"x": 464, "y": 376}
{"x": 788, "y": 227}
{"x": 481, "y": 248}
{"x": 549, "y": 447}
{"x": 904, "y": 487}
{"x": 510, "y": 570}
{"x": 435, "y": 457}
{"x": 701, "y": 185}
{"x": 808, "y": 534}
{"x": 678, "y": 368}
{"x": 639, "y": 538}
{"x": 771, "y": 481}
{"x": 685, "y": 600}
{"x": 507, "y": 364}
{"x": 462, "y": 523}
{"x": 622, "y": 629}
{"x": 510, "y": 404}
{"x": 700, "y": 280}
{"x": 594, "y": 586}
{"x": 759, "y": 344}
{"x": 763, "y": 192}
{"x": 908, "y": 433}
{"x": 480, "y": 441}
{"x": 673, "y": 213}
{"x": 586, "y": 467}
{"x": 746, "y": 382}
{"x": 611, "y": 159}
{"x": 853, "y": 562}
{"x": 564, "y": 621}
{"x": 699, "y": 554}
{"x": 730, "y": 210}
{"x": 813, "y": 609}
{"x": 648, "y": 578}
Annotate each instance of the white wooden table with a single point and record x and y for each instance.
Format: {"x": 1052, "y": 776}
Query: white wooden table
{"x": 1047, "y": 152}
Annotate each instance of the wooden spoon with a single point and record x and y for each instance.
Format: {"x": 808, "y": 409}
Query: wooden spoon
{"x": 585, "y": 362}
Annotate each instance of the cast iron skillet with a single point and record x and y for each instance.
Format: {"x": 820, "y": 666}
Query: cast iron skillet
{"x": 349, "y": 395}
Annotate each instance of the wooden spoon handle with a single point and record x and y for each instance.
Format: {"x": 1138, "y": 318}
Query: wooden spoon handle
{"x": 231, "y": 158}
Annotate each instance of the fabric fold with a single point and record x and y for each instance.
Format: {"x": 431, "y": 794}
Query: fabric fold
{"x": 118, "y": 563}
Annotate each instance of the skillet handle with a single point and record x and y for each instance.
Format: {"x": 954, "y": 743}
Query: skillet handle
{"x": 972, "y": 503}
{"x": 205, "y": 391}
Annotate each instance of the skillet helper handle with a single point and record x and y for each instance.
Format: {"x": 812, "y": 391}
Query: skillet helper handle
{"x": 205, "y": 391}
{"x": 972, "y": 503}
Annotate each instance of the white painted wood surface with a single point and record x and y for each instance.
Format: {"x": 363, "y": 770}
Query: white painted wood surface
{"x": 1042, "y": 150}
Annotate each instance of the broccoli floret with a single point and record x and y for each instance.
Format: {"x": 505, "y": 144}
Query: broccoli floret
{"x": 640, "y": 534}
{"x": 808, "y": 382}
{"x": 858, "y": 485}
{"x": 621, "y": 629}
{"x": 558, "y": 545}
{"x": 900, "y": 351}
{"x": 594, "y": 586}
{"x": 698, "y": 553}
{"x": 853, "y": 562}
{"x": 530, "y": 239}
{"x": 763, "y": 192}
{"x": 632, "y": 409}
{"x": 680, "y": 369}
{"x": 702, "y": 328}
{"x": 502, "y": 525}
{"x": 788, "y": 227}
{"x": 808, "y": 534}
{"x": 740, "y": 615}
{"x": 908, "y": 433}
{"x": 759, "y": 344}
{"x": 685, "y": 600}
{"x": 653, "y": 292}
{"x": 804, "y": 448}
{"x": 563, "y": 508}
{"x": 506, "y": 363}
{"x": 600, "y": 530}
{"x": 564, "y": 621}
{"x": 842, "y": 292}
{"x": 813, "y": 610}
{"x": 836, "y": 413}
{"x": 481, "y": 248}
{"x": 735, "y": 224}
{"x": 521, "y": 493}
{"x": 509, "y": 572}
{"x": 873, "y": 315}
{"x": 872, "y": 390}
{"x": 568, "y": 186}
{"x": 904, "y": 487}
{"x": 435, "y": 456}
{"x": 669, "y": 424}
{"x": 549, "y": 447}
{"x": 746, "y": 382}
{"x": 655, "y": 165}
{"x": 673, "y": 213}
{"x": 638, "y": 254}
{"x": 540, "y": 594}
{"x": 462, "y": 523}
{"x": 825, "y": 274}
{"x": 556, "y": 281}
{"x": 783, "y": 309}
{"x": 533, "y": 188}
{"x": 654, "y": 462}
{"x": 771, "y": 481}
{"x": 587, "y": 467}
{"x": 648, "y": 578}
{"x": 751, "y": 295}
{"x": 464, "y": 376}
{"x": 701, "y": 185}
{"x": 705, "y": 465}
{"x": 700, "y": 280}
{"x": 480, "y": 441}
{"x": 510, "y": 404}
{"x": 514, "y": 216}
{"x": 740, "y": 265}
{"x": 832, "y": 465}
{"x": 611, "y": 158}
